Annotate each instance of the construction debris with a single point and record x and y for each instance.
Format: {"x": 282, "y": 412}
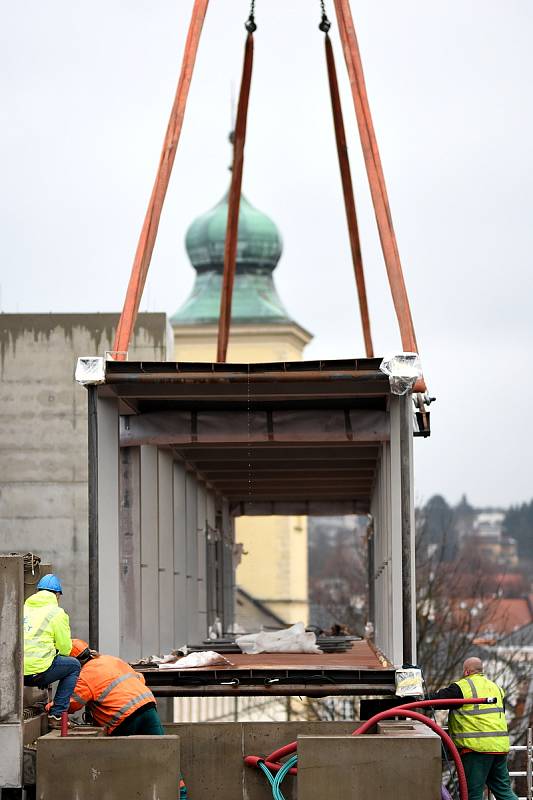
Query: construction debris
{"x": 194, "y": 660}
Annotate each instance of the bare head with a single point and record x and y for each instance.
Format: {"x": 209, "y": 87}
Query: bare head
{"x": 472, "y": 665}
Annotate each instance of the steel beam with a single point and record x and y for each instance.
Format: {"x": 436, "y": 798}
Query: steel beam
{"x": 149, "y": 551}
{"x": 108, "y": 531}
{"x": 226, "y": 428}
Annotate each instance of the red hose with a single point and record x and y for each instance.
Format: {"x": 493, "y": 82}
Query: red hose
{"x": 452, "y": 749}
{"x": 291, "y": 748}
{"x": 253, "y": 761}
{"x": 405, "y": 710}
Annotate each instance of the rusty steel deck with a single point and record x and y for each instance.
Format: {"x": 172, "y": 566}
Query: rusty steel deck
{"x": 360, "y": 671}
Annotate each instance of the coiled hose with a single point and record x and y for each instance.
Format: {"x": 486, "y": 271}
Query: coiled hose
{"x": 276, "y": 772}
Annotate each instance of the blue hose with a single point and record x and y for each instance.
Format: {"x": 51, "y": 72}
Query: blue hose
{"x": 275, "y": 782}
{"x": 262, "y": 766}
{"x": 276, "y": 791}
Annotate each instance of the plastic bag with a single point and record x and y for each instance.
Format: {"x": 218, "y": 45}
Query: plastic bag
{"x": 290, "y": 640}
{"x": 90, "y": 370}
{"x": 403, "y": 370}
{"x": 409, "y": 682}
{"x": 194, "y": 660}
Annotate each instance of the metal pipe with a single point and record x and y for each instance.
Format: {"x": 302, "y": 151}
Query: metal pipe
{"x": 145, "y": 247}
{"x": 92, "y": 400}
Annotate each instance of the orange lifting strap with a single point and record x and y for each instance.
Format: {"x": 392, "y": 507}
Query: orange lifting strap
{"x": 373, "y": 168}
{"x": 145, "y": 247}
{"x": 376, "y": 178}
{"x": 349, "y": 200}
{"x": 234, "y": 202}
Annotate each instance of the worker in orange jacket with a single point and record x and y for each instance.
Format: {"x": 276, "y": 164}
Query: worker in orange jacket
{"x": 116, "y": 696}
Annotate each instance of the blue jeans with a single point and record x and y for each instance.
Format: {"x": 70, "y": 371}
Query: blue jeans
{"x": 63, "y": 669}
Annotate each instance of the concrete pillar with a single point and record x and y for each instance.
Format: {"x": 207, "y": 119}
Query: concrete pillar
{"x": 108, "y": 525}
{"x": 130, "y": 554}
{"x": 149, "y": 551}
{"x": 166, "y": 551}
{"x": 180, "y": 555}
{"x": 11, "y": 670}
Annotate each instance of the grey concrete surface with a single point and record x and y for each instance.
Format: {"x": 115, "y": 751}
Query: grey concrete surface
{"x": 369, "y": 767}
{"x": 212, "y": 755}
{"x": 43, "y": 454}
{"x": 11, "y": 639}
{"x": 11, "y": 671}
{"x": 108, "y": 768}
{"x": 31, "y": 579}
{"x": 34, "y": 727}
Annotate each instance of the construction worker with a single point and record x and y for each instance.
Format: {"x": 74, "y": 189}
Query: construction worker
{"x": 115, "y": 695}
{"x": 480, "y": 732}
{"x": 47, "y": 646}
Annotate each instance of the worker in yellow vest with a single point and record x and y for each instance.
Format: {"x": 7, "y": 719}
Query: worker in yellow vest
{"x": 47, "y": 646}
{"x": 480, "y": 732}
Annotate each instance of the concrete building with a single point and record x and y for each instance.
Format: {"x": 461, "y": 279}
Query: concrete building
{"x": 273, "y": 566}
{"x": 43, "y": 437}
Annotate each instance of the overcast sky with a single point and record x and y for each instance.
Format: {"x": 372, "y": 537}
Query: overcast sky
{"x": 86, "y": 90}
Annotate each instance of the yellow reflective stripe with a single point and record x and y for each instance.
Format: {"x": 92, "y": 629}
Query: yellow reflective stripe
{"x": 44, "y": 624}
{"x": 479, "y": 710}
{"x": 483, "y": 735}
{"x": 474, "y": 691}
{"x": 38, "y": 647}
{"x": 133, "y": 702}
{"x": 40, "y": 651}
{"x": 112, "y": 686}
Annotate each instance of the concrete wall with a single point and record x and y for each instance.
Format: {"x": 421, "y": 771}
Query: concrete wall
{"x": 212, "y": 755}
{"x": 43, "y": 445}
{"x": 107, "y": 768}
{"x": 405, "y": 760}
{"x": 247, "y": 343}
{"x": 368, "y": 767}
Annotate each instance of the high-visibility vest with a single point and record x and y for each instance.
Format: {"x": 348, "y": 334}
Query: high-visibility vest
{"x": 482, "y": 728}
{"x": 111, "y": 689}
{"x": 46, "y": 632}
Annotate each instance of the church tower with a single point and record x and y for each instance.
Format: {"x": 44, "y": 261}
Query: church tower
{"x": 274, "y": 563}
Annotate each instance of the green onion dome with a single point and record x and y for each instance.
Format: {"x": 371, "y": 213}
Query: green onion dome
{"x": 259, "y": 249}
